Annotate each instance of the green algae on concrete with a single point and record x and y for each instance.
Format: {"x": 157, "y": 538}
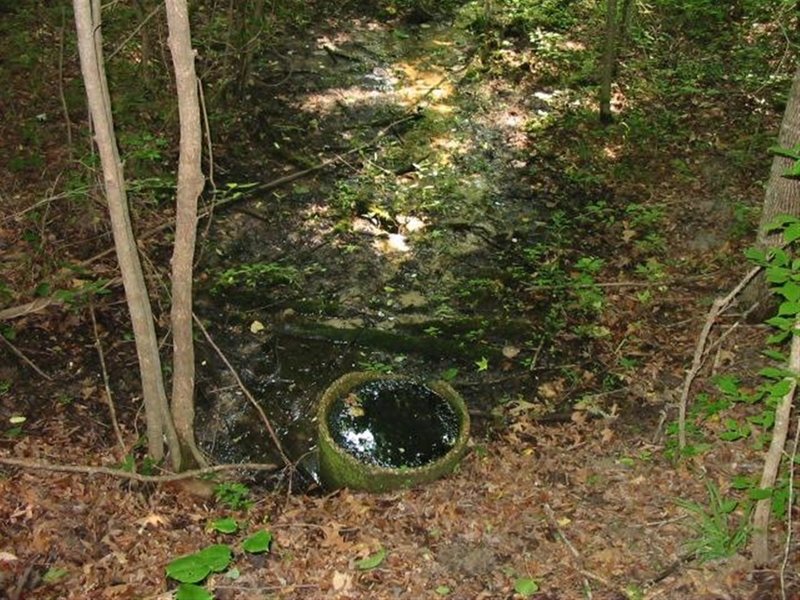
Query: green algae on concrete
{"x": 339, "y": 468}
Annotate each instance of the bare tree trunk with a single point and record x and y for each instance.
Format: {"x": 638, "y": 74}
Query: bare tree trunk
{"x": 782, "y": 195}
{"x": 147, "y": 43}
{"x": 625, "y": 19}
{"x": 190, "y": 185}
{"x": 159, "y": 424}
{"x": 609, "y": 59}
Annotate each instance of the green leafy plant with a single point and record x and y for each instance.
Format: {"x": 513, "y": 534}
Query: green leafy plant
{"x": 194, "y": 568}
{"x": 718, "y": 534}
{"x": 254, "y": 275}
{"x": 525, "y": 586}
{"x": 234, "y": 495}
{"x": 258, "y": 542}
{"x": 224, "y": 525}
{"x": 791, "y": 153}
{"x": 372, "y": 561}
{"x": 589, "y": 295}
{"x": 375, "y": 366}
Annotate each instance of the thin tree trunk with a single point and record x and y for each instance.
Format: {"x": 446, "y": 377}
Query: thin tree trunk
{"x": 190, "y": 185}
{"x": 625, "y": 18}
{"x": 88, "y": 22}
{"x": 147, "y": 43}
{"x": 609, "y": 59}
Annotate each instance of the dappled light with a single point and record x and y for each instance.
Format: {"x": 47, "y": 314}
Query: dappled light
{"x": 523, "y": 210}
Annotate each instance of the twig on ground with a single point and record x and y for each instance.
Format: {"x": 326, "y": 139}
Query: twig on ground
{"x": 772, "y": 461}
{"x": 18, "y": 353}
{"x": 245, "y": 391}
{"x": 109, "y": 398}
{"x": 93, "y": 470}
{"x": 719, "y": 305}
{"x": 551, "y": 517}
{"x": 790, "y": 502}
{"x": 535, "y": 359}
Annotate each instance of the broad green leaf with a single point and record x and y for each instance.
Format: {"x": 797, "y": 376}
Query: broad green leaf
{"x": 794, "y": 171}
{"x": 788, "y": 308}
{"x": 258, "y": 542}
{"x": 728, "y": 384}
{"x": 372, "y": 561}
{"x": 774, "y": 373}
{"x": 779, "y": 257}
{"x": 196, "y": 567}
{"x": 759, "y": 493}
{"x": 188, "y": 569}
{"x": 766, "y": 419}
{"x": 217, "y": 557}
{"x": 777, "y": 275}
{"x": 775, "y": 355}
{"x": 785, "y": 152}
{"x": 525, "y": 586}
{"x": 741, "y": 482}
{"x": 449, "y": 374}
{"x": 727, "y": 506}
{"x": 755, "y": 255}
{"x": 780, "y": 388}
{"x": 780, "y": 222}
{"x": 792, "y": 232}
{"x": 224, "y": 525}
{"x": 790, "y": 291}
{"x": 781, "y": 323}
{"x": 54, "y": 574}
{"x": 189, "y": 591}
{"x": 443, "y": 590}
{"x": 778, "y": 338}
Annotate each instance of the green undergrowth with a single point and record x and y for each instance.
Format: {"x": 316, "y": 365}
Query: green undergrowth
{"x": 742, "y": 414}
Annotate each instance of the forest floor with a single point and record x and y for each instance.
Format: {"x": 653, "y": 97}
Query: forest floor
{"x": 470, "y": 197}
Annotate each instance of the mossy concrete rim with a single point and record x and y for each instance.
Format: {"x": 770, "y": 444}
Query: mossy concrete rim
{"x": 339, "y": 468}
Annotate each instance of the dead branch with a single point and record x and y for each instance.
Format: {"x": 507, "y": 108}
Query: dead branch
{"x": 109, "y": 398}
{"x": 18, "y": 353}
{"x": 719, "y": 306}
{"x": 93, "y": 470}
{"x": 551, "y": 518}
{"x": 136, "y": 30}
{"x": 245, "y": 391}
{"x": 790, "y": 502}
{"x": 774, "y": 455}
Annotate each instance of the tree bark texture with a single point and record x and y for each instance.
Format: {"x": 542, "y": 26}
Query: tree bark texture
{"x": 190, "y": 185}
{"x": 609, "y": 59}
{"x": 88, "y": 25}
{"x": 781, "y": 197}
